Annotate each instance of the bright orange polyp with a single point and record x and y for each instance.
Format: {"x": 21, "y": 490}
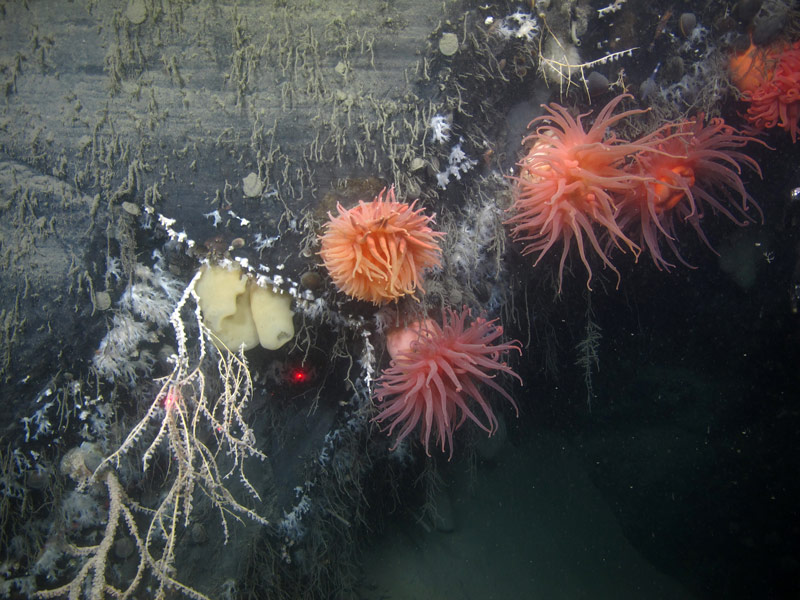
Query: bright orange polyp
{"x": 377, "y": 251}
{"x": 749, "y": 70}
{"x": 665, "y": 195}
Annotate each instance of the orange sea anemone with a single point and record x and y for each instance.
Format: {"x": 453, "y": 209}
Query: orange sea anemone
{"x": 435, "y": 375}
{"x": 769, "y": 79}
{"x": 378, "y": 250}
{"x": 692, "y": 165}
{"x": 749, "y": 70}
{"x": 570, "y": 183}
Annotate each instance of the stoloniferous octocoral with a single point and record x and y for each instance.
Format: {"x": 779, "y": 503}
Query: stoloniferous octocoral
{"x": 436, "y": 373}
{"x": 377, "y": 251}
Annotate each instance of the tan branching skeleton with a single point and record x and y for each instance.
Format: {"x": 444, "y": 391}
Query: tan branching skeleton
{"x": 199, "y": 432}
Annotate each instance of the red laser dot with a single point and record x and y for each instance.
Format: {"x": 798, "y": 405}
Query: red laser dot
{"x": 298, "y": 375}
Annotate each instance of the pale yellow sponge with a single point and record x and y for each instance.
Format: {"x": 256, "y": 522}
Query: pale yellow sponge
{"x": 241, "y": 313}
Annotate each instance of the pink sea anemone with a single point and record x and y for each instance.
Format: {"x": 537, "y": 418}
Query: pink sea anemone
{"x": 377, "y": 251}
{"x": 435, "y": 375}
{"x": 569, "y": 185}
{"x": 693, "y": 166}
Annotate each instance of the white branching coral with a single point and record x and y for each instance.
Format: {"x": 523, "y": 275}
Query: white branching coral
{"x": 152, "y": 294}
{"x": 440, "y": 129}
{"x": 118, "y": 357}
{"x": 519, "y": 25}
{"x": 144, "y": 306}
{"x": 458, "y": 162}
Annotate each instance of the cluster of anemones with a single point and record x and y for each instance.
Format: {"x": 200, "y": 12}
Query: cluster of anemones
{"x": 769, "y": 79}
{"x": 436, "y": 373}
{"x": 377, "y": 251}
{"x": 602, "y": 192}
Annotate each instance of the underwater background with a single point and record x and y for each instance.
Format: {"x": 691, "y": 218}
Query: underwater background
{"x": 205, "y": 393}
